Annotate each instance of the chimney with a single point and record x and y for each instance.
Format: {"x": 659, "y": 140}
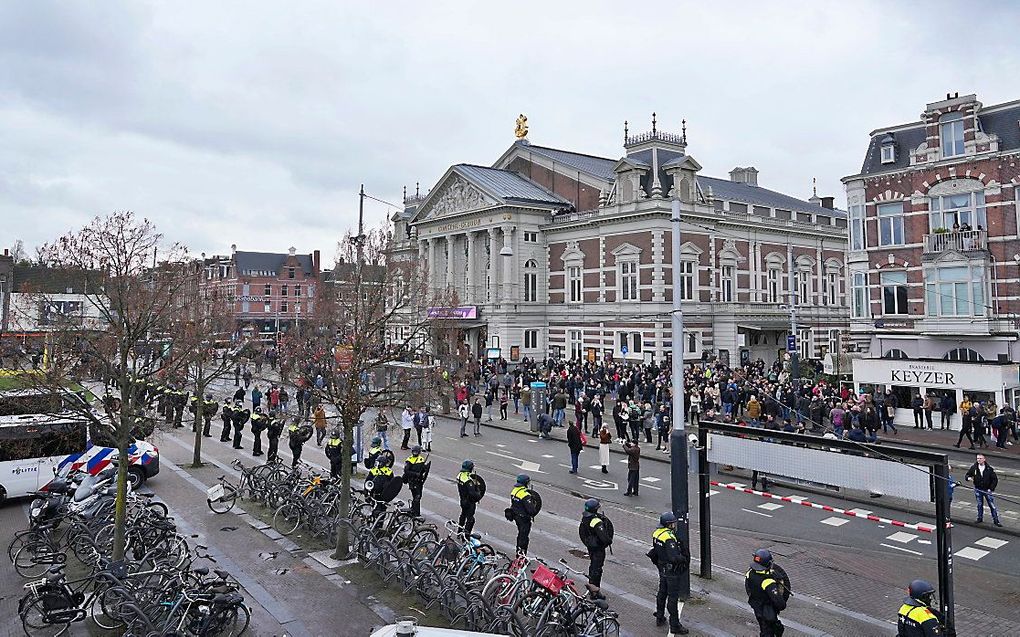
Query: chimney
{"x": 292, "y": 251}
{"x": 315, "y": 262}
{"x": 233, "y": 248}
{"x": 828, "y": 202}
{"x": 747, "y": 175}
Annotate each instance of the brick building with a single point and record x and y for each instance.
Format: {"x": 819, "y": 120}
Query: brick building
{"x": 269, "y": 292}
{"x": 554, "y": 252}
{"x": 934, "y": 254}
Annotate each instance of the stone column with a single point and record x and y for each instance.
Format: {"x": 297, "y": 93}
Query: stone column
{"x": 508, "y": 263}
{"x": 469, "y": 294}
{"x": 433, "y": 263}
{"x": 451, "y": 258}
{"x": 492, "y": 272}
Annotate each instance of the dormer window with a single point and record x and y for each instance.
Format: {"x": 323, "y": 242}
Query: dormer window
{"x": 888, "y": 154}
{"x": 951, "y": 134}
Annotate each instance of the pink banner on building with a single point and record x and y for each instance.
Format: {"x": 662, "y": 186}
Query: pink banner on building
{"x": 462, "y": 312}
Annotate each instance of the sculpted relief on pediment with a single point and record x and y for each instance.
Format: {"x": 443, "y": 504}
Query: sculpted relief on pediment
{"x": 457, "y": 195}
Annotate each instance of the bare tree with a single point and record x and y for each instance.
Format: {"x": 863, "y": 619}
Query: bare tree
{"x": 133, "y": 282}
{"x": 368, "y": 339}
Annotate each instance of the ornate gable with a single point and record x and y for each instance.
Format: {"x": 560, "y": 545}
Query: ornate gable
{"x": 456, "y": 194}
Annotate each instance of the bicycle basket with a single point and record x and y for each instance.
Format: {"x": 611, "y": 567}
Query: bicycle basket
{"x": 548, "y": 579}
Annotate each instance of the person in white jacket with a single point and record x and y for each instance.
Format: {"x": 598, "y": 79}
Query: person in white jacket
{"x": 406, "y": 423}
{"x": 464, "y": 413}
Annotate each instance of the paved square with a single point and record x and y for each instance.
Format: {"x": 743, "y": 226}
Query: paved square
{"x": 991, "y": 542}
{"x": 770, "y": 506}
{"x": 971, "y": 553}
{"x": 834, "y": 521}
{"x": 902, "y": 537}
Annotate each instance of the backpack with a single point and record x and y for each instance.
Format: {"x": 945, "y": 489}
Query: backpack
{"x": 607, "y": 526}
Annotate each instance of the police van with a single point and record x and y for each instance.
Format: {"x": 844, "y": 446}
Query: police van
{"x": 41, "y": 434}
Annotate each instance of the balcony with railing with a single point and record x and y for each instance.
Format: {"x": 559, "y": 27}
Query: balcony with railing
{"x": 959, "y": 240}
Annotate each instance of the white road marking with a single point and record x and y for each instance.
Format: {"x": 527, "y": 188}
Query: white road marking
{"x": 971, "y": 553}
{"x": 770, "y": 506}
{"x": 595, "y": 466}
{"x": 834, "y": 521}
{"x": 797, "y": 499}
{"x": 901, "y": 537}
{"x": 737, "y": 485}
{"x": 861, "y": 512}
{"x": 712, "y": 492}
{"x": 991, "y": 542}
{"x": 900, "y": 548}
{"x": 501, "y": 446}
{"x": 548, "y": 455}
{"x": 924, "y": 541}
{"x": 525, "y": 465}
{"x": 757, "y": 513}
{"x": 649, "y": 479}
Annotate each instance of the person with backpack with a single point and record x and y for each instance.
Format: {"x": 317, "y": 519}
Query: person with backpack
{"x": 671, "y": 558}
{"x": 273, "y": 432}
{"x": 259, "y": 423}
{"x": 525, "y": 504}
{"x": 471, "y": 489}
{"x": 298, "y": 434}
{"x": 416, "y": 471}
{"x": 596, "y": 534}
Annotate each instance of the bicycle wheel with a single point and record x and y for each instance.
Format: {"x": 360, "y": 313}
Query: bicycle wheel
{"x": 287, "y": 519}
{"x": 236, "y": 621}
{"x": 528, "y": 614}
{"x": 500, "y": 590}
{"x": 32, "y": 560}
{"x": 33, "y": 620}
{"x": 224, "y": 503}
{"x": 158, "y": 508}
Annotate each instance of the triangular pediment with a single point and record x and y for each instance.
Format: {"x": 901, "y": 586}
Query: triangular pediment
{"x": 949, "y": 256}
{"x": 454, "y": 194}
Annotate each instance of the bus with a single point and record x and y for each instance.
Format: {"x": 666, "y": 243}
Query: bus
{"x": 40, "y": 434}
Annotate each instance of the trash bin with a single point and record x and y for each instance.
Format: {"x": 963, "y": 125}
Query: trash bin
{"x": 538, "y": 390}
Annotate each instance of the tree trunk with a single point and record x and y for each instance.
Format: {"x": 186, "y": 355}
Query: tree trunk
{"x": 342, "y": 540}
{"x": 120, "y": 510}
{"x": 196, "y": 460}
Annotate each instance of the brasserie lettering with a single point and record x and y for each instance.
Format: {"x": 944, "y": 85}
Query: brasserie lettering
{"x": 921, "y": 378}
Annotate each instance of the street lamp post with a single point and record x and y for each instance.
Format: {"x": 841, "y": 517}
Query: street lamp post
{"x": 678, "y": 437}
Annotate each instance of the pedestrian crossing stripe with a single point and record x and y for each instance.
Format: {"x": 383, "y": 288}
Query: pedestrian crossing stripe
{"x": 991, "y": 542}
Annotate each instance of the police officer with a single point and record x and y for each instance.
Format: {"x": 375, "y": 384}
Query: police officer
{"x": 241, "y": 416}
{"x": 768, "y": 589}
{"x": 209, "y": 409}
{"x": 179, "y": 400}
{"x": 380, "y": 476}
{"x": 273, "y": 432}
{"x": 227, "y": 414}
{"x": 259, "y": 423}
{"x": 596, "y": 535}
{"x": 195, "y": 407}
{"x": 298, "y": 434}
{"x": 415, "y": 472}
{"x": 470, "y": 492}
{"x": 672, "y": 558}
{"x": 524, "y": 506}
{"x": 373, "y": 452}
{"x": 334, "y": 451}
{"x": 916, "y": 617}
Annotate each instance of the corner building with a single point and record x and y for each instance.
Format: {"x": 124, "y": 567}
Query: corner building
{"x": 555, "y": 252}
{"x": 934, "y": 255}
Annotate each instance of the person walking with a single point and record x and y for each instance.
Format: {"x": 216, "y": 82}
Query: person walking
{"x": 476, "y": 412}
{"x": 526, "y": 402}
{"x": 489, "y": 398}
{"x": 319, "y": 421}
{"x": 768, "y": 589}
{"x": 671, "y": 558}
{"x": 256, "y": 397}
{"x": 471, "y": 489}
{"x": 382, "y": 427}
{"x": 406, "y": 424}
{"x": 503, "y": 405}
{"x": 574, "y": 444}
{"x": 605, "y": 439}
{"x": 525, "y": 504}
{"x": 463, "y": 412}
{"x": 967, "y": 425}
{"x": 596, "y": 534}
{"x": 916, "y": 616}
{"x": 985, "y": 483}
{"x": 633, "y": 451}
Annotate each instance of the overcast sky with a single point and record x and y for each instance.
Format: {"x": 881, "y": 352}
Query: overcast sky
{"x": 254, "y": 122}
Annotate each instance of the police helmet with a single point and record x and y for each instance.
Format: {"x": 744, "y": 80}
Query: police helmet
{"x": 208, "y": 396}
{"x": 667, "y": 518}
{"x": 376, "y": 440}
{"x": 258, "y": 410}
{"x": 523, "y": 480}
{"x": 416, "y": 450}
{"x": 921, "y": 590}
{"x": 467, "y": 465}
{"x": 592, "y": 504}
{"x": 762, "y": 557}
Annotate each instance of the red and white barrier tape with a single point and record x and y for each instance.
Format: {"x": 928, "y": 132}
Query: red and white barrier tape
{"x": 925, "y": 528}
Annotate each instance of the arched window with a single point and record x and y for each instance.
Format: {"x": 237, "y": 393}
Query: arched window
{"x": 963, "y": 354}
{"x": 895, "y": 354}
{"x": 530, "y": 281}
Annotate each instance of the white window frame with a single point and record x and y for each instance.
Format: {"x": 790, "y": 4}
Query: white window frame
{"x": 727, "y": 282}
{"x": 773, "y": 284}
{"x": 938, "y": 292}
{"x": 975, "y": 212}
{"x": 858, "y": 228}
{"x": 953, "y": 124}
{"x": 860, "y": 303}
{"x": 888, "y": 154}
{"x": 805, "y": 288}
{"x": 634, "y": 342}
{"x": 530, "y": 339}
{"x": 530, "y": 236}
{"x": 805, "y": 344}
{"x": 575, "y": 343}
{"x": 834, "y": 342}
{"x": 891, "y": 230}
{"x": 575, "y": 283}
{"x": 831, "y": 282}
{"x": 688, "y": 272}
{"x": 269, "y": 289}
{"x": 627, "y": 274}
{"x": 530, "y": 281}
{"x": 268, "y": 307}
{"x": 884, "y": 278}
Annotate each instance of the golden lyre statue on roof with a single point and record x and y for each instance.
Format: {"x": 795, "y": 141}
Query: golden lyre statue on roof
{"x": 521, "y": 131}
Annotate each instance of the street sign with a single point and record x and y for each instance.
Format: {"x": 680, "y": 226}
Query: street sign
{"x": 623, "y": 350}
{"x": 791, "y": 343}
